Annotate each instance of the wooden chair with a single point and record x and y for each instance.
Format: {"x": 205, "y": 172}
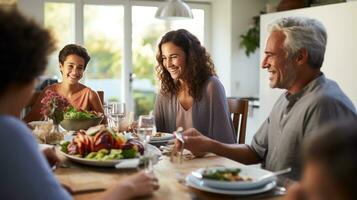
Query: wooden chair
{"x": 239, "y": 109}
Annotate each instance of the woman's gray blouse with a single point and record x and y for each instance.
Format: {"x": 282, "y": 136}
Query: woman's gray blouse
{"x": 210, "y": 115}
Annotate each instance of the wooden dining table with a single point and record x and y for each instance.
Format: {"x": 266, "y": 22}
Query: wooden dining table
{"x": 89, "y": 182}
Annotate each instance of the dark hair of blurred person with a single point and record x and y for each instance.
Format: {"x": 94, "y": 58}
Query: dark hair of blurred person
{"x": 330, "y": 170}
{"x": 334, "y": 154}
{"x": 24, "y": 49}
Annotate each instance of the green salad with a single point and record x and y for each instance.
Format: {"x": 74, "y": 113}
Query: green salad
{"x": 226, "y": 174}
{"x": 73, "y": 113}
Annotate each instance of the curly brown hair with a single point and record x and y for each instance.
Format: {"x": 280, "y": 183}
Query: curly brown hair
{"x": 199, "y": 65}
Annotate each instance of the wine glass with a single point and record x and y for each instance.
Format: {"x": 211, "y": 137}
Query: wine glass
{"x": 145, "y": 129}
{"x": 117, "y": 114}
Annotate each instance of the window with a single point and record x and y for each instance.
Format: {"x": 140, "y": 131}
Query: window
{"x": 59, "y": 18}
{"x": 103, "y": 29}
{"x": 103, "y": 38}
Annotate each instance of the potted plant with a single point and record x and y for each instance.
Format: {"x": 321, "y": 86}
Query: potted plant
{"x": 250, "y": 40}
{"x": 53, "y": 107}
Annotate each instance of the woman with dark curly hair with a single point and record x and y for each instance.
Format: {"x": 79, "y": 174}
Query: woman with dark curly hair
{"x": 191, "y": 95}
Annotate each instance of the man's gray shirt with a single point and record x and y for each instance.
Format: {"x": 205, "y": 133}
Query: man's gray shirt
{"x": 295, "y": 117}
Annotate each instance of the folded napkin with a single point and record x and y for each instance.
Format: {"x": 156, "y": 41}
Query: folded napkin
{"x": 128, "y": 164}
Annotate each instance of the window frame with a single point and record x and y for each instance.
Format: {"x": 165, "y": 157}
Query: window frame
{"x": 36, "y": 8}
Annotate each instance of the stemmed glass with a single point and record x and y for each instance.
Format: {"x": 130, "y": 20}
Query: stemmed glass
{"x": 116, "y": 114}
{"x": 146, "y": 129}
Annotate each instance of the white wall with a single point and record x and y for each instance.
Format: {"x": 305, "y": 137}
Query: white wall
{"x": 245, "y": 70}
{"x": 341, "y": 53}
{"x": 30, "y": 8}
{"x": 238, "y": 73}
{"x": 231, "y": 18}
{"x": 221, "y": 40}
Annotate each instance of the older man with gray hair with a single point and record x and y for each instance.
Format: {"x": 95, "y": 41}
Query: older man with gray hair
{"x": 294, "y": 54}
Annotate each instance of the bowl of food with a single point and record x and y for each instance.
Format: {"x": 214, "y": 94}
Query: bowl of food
{"x": 74, "y": 119}
{"x": 231, "y": 178}
{"x": 45, "y": 132}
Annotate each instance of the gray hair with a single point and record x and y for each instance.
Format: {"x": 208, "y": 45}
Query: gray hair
{"x": 303, "y": 32}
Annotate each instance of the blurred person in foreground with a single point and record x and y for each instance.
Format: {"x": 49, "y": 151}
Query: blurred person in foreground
{"x": 191, "y": 95}
{"x": 73, "y": 60}
{"x": 294, "y": 54}
{"x": 24, "y": 171}
{"x": 330, "y": 170}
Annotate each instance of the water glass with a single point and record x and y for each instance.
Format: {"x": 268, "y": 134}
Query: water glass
{"x": 107, "y": 110}
{"x": 117, "y": 114}
{"x": 146, "y": 129}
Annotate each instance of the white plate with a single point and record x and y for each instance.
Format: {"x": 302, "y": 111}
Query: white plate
{"x": 164, "y": 137}
{"x": 198, "y": 184}
{"x": 107, "y": 163}
{"x": 246, "y": 171}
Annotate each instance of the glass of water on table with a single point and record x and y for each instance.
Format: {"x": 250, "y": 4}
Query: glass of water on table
{"x": 146, "y": 129}
{"x": 117, "y": 114}
{"x": 107, "y": 111}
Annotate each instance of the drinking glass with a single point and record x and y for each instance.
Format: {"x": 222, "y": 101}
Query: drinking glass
{"x": 145, "y": 129}
{"x": 117, "y": 114}
{"x": 107, "y": 110}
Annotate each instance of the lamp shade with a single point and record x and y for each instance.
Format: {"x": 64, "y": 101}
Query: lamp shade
{"x": 174, "y": 9}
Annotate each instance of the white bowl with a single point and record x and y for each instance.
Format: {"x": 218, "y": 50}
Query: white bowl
{"x": 251, "y": 172}
{"x": 79, "y": 124}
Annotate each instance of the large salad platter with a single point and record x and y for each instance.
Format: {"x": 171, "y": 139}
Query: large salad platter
{"x": 100, "y": 146}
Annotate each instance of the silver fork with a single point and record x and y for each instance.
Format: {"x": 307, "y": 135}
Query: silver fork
{"x": 178, "y": 135}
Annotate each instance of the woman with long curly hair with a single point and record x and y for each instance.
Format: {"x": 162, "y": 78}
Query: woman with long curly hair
{"x": 191, "y": 96}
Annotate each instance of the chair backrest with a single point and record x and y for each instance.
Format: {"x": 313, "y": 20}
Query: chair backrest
{"x": 239, "y": 109}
